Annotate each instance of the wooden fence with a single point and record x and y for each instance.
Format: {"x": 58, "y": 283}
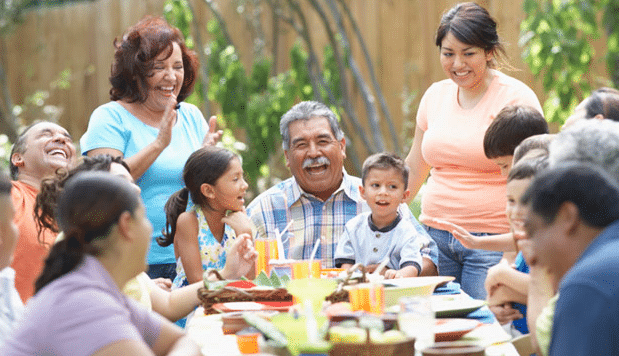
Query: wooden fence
{"x": 399, "y": 35}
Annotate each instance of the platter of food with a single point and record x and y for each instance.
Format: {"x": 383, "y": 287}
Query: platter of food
{"x": 452, "y": 329}
{"x": 252, "y": 306}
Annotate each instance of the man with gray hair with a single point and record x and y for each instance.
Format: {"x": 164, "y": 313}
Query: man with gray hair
{"x": 594, "y": 141}
{"x": 320, "y": 197}
{"x": 572, "y": 230}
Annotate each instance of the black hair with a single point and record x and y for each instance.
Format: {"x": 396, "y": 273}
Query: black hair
{"x": 205, "y": 165}
{"x": 594, "y": 192}
{"x": 19, "y": 147}
{"x": 512, "y": 125}
{"x": 605, "y": 102}
{"x": 385, "y": 160}
{"x": 471, "y": 24}
{"x": 88, "y": 208}
{"x": 47, "y": 198}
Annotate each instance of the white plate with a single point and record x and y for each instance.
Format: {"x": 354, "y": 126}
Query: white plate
{"x": 453, "y": 306}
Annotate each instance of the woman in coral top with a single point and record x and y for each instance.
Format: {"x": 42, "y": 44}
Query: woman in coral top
{"x": 465, "y": 187}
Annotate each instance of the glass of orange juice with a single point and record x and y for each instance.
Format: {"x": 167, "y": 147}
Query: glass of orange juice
{"x": 369, "y": 297}
{"x": 267, "y": 250}
{"x": 306, "y": 269}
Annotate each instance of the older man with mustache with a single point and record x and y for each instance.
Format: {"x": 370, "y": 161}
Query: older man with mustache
{"x": 320, "y": 197}
{"x": 37, "y": 153}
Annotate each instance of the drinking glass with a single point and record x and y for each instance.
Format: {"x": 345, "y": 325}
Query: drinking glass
{"x": 416, "y": 319}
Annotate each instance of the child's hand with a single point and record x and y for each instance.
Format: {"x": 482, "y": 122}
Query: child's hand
{"x": 239, "y": 221}
{"x": 496, "y": 275}
{"x": 163, "y": 283}
{"x": 241, "y": 257}
{"x": 504, "y": 313}
{"x": 466, "y": 239}
{"x": 391, "y": 274}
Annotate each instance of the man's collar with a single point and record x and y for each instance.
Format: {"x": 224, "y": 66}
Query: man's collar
{"x": 349, "y": 185}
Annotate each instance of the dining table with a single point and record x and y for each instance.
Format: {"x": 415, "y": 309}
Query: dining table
{"x": 207, "y": 332}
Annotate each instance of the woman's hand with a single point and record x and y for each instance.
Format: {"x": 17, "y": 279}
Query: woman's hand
{"x": 213, "y": 135}
{"x": 241, "y": 257}
{"x": 167, "y": 124}
{"x": 239, "y": 221}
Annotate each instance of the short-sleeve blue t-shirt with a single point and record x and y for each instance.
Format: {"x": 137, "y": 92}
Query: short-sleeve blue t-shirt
{"x": 112, "y": 126}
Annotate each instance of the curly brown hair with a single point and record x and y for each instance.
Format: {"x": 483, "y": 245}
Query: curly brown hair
{"x": 135, "y": 56}
{"x": 47, "y": 198}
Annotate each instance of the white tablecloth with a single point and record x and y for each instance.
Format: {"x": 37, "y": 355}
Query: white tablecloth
{"x": 207, "y": 332}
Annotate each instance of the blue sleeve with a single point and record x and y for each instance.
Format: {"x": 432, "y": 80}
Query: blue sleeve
{"x": 105, "y": 130}
{"x": 584, "y": 323}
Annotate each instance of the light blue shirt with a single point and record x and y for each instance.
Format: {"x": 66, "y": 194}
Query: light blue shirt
{"x": 112, "y": 126}
{"x": 361, "y": 243}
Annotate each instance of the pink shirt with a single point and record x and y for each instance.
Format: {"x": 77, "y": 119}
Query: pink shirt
{"x": 465, "y": 187}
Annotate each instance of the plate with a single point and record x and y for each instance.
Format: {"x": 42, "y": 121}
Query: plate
{"x": 406, "y": 287}
{"x": 453, "y": 329}
{"x": 252, "y": 306}
{"x": 453, "y": 306}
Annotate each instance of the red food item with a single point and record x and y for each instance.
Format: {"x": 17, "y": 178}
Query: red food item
{"x": 241, "y": 284}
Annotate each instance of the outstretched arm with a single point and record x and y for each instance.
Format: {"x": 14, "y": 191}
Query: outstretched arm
{"x": 502, "y": 242}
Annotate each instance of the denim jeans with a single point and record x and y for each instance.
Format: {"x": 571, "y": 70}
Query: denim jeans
{"x": 469, "y": 266}
{"x": 164, "y": 270}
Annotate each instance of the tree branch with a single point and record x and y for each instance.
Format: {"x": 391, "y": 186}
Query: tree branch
{"x": 375, "y": 85}
{"x": 366, "y": 95}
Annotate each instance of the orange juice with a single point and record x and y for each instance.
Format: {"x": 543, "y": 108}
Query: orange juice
{"x": 267, "y": 250}
{"x": 367, "y": 297}
{"x": 247, "y": 343}
{"x": 305, "y": 269}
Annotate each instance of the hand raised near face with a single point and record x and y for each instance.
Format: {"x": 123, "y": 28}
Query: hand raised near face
{"x": 167, "y": 123}
{"x": 213, "y": 136}
{"x": 239, "y": 221}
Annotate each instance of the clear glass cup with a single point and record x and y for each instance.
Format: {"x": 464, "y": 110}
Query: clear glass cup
{"x": 416, "y": 319}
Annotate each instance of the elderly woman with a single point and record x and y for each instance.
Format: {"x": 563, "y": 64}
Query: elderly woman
{"x": 465, "y": 187}
{"x": 78, "y": 308}
{"x": 148, "y": 123}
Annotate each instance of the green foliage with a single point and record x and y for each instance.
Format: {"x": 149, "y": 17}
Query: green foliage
{"x": 253, "y": 102}
{"x": 557, "y": 36}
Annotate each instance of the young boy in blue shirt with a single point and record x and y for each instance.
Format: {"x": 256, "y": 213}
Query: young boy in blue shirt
{"x": 371, "y": 237}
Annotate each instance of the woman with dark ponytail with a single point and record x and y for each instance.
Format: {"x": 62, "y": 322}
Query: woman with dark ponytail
{"x": 78, "y": 308}
{"x": 152, "y": 294}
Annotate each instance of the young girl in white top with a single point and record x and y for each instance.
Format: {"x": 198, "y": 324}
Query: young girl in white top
{"x": 215, "y": 233}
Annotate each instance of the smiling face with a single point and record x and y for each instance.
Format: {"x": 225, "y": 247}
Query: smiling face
{"x": 166, "y": 78}
{"x": 384, "y": 191}
{"x": 315, "y": 156}
{"x": 465, "y": 64}
{"x": 516, "y": 212}
{"x": 229, "y": 190}
{"x": 48, "y": 147}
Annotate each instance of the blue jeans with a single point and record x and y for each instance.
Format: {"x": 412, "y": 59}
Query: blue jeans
{"x": 164, "y": 270}
{"x": 469, "y": 266}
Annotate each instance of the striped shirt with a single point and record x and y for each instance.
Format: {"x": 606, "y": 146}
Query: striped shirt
{"x": 313, "y": 218}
